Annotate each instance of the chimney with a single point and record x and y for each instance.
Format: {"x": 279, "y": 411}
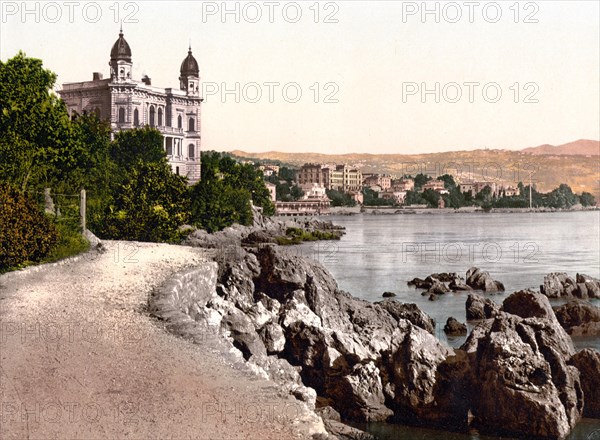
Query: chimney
{"x": 97, "y": 76}
{"x": 146, "y": 80}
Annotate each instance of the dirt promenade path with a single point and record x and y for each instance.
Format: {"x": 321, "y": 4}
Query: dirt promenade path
{"x": 81, "y": 359}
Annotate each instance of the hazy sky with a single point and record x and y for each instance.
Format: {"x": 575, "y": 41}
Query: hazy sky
{"x": 365, "y": 64}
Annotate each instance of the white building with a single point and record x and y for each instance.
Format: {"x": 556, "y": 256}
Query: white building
{"x": 127, "y": 103}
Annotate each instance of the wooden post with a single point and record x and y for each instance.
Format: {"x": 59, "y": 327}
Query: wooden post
{"x": 82, "y": 206}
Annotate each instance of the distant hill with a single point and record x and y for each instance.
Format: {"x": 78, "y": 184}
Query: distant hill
{"x": 582, "y": 147}
{"x": 503, "y": 166}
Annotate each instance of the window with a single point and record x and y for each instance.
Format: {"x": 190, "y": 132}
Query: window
{"x": 121, "y": 115}
{"x": 177, "y": 170}
{"x": 136, "y": 117}
{"x": 191, "y": 151}
{"x": 179, "y": 122}
{"x": 169, "y": 146}
{"x": 152, "y": 116}
{"x": 191, "y": 125}
{"x": 160, "y": 117}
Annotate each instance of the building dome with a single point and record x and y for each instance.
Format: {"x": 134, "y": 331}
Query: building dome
{"x": 189, "y": 67}
{"x": 120, "y": 50}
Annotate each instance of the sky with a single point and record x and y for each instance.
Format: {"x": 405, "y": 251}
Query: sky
{"x": 344, "y": 76}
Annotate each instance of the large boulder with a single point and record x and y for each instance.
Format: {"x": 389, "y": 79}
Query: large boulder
{"x": 359, "y": 394}
{"x": 482, "y": 280}
{"x": 520, "y": 368}
{"x": 478, "y": 307}
{"x": 528, "y": 304}
{"x": 415, "y": 384}
{"x": 587, "y": 361}
{"x": 455, "y": 328}
{"x": 579, "y": 318}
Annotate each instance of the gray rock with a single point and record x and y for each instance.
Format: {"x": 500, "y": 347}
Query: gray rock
{"x": 587, "y": 361}
{"x": 388, "y": 294}
{"x": 454, "y": 328}
{"x": 273, "y": 337}
{"x": 579, "y": 318}
{"x": 478, "y": 307}
{"x": 410, "y": 312}
{"x": 482, "y": 280}
{"x": 519, "y": 368}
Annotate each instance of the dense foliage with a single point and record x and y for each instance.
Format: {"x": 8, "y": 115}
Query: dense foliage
{"x": 285, "y": 186}
{"x": 340, "y": 199}
{"x": 26, "y": 234}
{"x": 225, "y": 193}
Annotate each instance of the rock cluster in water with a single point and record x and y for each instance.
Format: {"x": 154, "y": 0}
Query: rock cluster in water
{"x": 442, "y": 283}
{"x": 516, "y": 374}
{"x": 559, "y": 284}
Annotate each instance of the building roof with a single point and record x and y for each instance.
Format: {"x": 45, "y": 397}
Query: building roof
{"x": 120, "y": 50}
{"x": 189, "y": 67}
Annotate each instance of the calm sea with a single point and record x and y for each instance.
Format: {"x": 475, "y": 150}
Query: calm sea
{"x": 382, "y": 253}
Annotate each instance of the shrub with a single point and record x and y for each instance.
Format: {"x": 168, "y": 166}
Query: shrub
{"x": 26, "y": 234}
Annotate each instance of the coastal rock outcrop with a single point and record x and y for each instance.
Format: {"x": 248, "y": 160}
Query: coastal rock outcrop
{"x": 579, "y": 318}
{"x": 481, "y": 280}
{"x": 478, "y": 307}
{"x": 520, "y": 367}
{"x": 441, "y": 283}
{"x": 380, "y": 361}
{"x": 559, "y": 284}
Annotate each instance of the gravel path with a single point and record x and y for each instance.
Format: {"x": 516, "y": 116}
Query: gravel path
{"x": 81, "y": 359}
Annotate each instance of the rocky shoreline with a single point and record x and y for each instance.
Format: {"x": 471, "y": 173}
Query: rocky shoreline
{"x": 351, "y": 360}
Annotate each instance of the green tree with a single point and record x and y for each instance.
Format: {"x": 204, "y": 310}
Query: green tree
{"x": 587, "y": 199}
{"x": 420, "y": 180}
{"x": 431, "y": 197}
{"x": 37, "y": 141}
{"x": 340, "y": 199}
{"x": 145, "y": 144}
{"x": 224, "y": 195}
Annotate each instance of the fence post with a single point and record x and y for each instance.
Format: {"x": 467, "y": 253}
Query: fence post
{"x": 82, "y": 206}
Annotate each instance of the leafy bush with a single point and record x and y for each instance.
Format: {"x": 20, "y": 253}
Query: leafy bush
{"x": 150, "y": 205}
{"x": 70, "y": 242}
{"x": 26, "y": 234}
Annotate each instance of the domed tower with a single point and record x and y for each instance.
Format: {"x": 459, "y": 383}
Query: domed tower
{"x": 120, "y": 60}
{"x": 190, "y": 75}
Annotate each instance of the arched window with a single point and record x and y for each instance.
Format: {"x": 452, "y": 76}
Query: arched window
{"x": 121, "y": 115}
{"x": 136, "y": 117}
{"x": 179, "y": 122}
{"x": 152, "y": 116}
{"x": 191, "y": 125}
{"x": 191, "y": 151}
{"x": 160, "y": 117}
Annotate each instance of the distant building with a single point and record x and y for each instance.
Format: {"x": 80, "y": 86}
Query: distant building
{"x": 341, "y": 178}
{"x": 314, "y": 202}
{"x": 127, "y": 104}
{"x": 383, "y": 181}
{"x": 344, "y": 179}
{"x": 397, "y": 197}
{"x": 435, "y": 185}
{"x": 269, "y": 170}
{"x": 272, "y": 190}
{"x": 403, "y": 184}
{"x": 475, "y": 187}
